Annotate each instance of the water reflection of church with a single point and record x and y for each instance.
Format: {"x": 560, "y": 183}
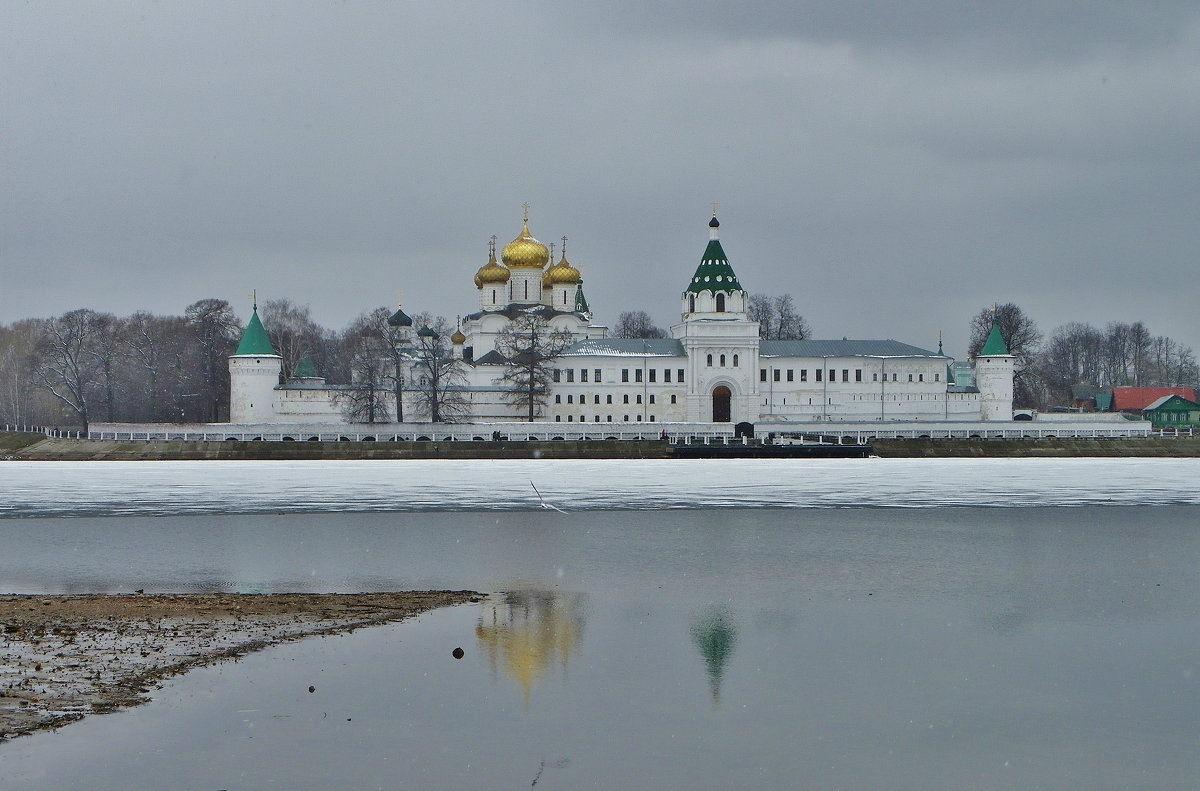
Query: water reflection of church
{"x": 525, "y": 633}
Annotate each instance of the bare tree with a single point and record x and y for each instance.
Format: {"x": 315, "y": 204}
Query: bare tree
{"x": 777, "y": 317}
{"x": 1072, "y": 356}
{"x": 215, "y": 330}
{"x": 365, "y": 399}
{"x": 293, "y": 333}
{"x": 18, "y": 343}
{"x": 789, "y": 324}
{"x": 64, "y": 363}
{"x": 529, "y": 346}
{"x": 1023, "y": 339}
{"x": 637, "y": 324}
{"x": 395, "y": 346}
{"x": 439, "y": 381}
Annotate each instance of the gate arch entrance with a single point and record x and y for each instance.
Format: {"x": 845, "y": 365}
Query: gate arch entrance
{"x": 720, "y": 404}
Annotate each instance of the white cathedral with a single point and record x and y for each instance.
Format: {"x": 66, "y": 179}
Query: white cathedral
{"x": 714, "y": 368}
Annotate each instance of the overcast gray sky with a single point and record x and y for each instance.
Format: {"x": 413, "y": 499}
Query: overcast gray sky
{"x": 896, "y": 166}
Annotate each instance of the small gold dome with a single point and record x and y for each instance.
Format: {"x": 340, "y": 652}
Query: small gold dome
{"x": 525, "y": 252}
{"x": 458, "y": 339}
{"x": 491, "y": 272}
{"x": 561, "y": 274}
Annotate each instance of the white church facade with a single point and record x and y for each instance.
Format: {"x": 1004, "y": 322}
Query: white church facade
{"x": 713, "y": 368}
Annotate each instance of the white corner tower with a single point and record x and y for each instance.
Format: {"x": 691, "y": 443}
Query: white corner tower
{"x": 994, "y": 368}
{"x": 254, "y": 370}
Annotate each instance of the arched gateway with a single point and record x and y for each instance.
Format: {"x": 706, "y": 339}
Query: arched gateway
{"x": 720, "y": 404}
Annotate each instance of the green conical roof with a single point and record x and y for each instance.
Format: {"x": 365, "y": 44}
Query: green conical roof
{"x": 254, "y": 339}
{"x": 994, "y": 346}
{"x": 714, "y": 273}
{"x": 305, "y": 368}
{"x": 581, "y": 305}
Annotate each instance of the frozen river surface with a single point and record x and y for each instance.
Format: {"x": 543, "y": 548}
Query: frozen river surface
{"x": 859, "y": 624}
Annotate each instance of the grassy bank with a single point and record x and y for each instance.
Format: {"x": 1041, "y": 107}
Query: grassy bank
{"x": 88, "y": 450}
{"x": 34, "y": 447}
{"x": 1156, "y": 447}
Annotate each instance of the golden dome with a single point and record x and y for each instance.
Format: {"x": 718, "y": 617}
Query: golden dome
{"x": 525, "y": 252}
{"x": 491, "y": 272}
{"x": 458, "y": 339}
{"x": 561, "y": 274}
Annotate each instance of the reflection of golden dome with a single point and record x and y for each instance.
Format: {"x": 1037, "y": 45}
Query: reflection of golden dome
{"x": 561, "y": 274}
{"x": 525, "y": 252}
{"x": 491, "y": 272}
{"x": 458, "y": 339}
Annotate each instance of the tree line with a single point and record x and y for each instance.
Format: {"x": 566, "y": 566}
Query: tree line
{"x": 1048, "y": 369}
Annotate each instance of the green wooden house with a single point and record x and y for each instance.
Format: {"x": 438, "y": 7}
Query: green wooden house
{"x": 1173, "y": 411}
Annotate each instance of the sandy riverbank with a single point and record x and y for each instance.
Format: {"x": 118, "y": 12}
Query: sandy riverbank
{"x": 63, "y": 657}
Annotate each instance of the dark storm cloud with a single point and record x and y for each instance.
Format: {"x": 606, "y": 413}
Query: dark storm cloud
{"x": 896, "y": 166}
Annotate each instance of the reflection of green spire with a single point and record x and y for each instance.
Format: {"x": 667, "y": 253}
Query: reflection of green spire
{"x": 254, "y": 339}
{"x": 716, "y": 636}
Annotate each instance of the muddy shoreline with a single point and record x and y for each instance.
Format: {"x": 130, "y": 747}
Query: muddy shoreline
{"x": 64, "y": 657}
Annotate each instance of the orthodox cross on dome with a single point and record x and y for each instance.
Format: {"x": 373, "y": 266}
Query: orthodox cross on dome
{"x": 564, "y": 241}
{"x": 714, "y": 205}
{"x": 492, "y": 245}
{"x": 552, "y": 251}
{"x": 254, "y": 299}
{"x": 525, "y": 206}
{"x": 399, "y": 299}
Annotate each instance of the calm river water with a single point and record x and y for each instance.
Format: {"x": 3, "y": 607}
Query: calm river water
{"x": 866, "y": 624}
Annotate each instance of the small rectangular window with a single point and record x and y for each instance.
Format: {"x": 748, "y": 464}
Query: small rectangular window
{"x": 666, "y": 374}
{"x": 937, "y": 377}
{"x": 570, "y": 399}
{"x": 762, "y": 374}
{"x": 626, "y": 398}
{"x": 597, "y": 398}
{"x": 875, "y": 377}
{"x": 558, "y": 398}
{"x": 624, "y": 374}
{"x": 920, "y": 377}
{"x": 557, "y": 375}
{"x": 910, "y": 377}
{"x": 791, "y": 375}
{"x": 653, "y": 374}
{"x": 803, "y": 374}
{"x": 583, "y": 372}
{"x": 858, "y": 374}
{"x": 845, "y": 374}
{"x": 775, "y": 374}
{"x": 680, "y": 377}
{"x": 637, "y": 375}
{"x": 597, "y": 379}
{"x": 652, "y": 398}
{"x": 819, "y": 374}
{"x": 672, "y": 398}
{"x": 570, "y": 374}
{"x": 639, "y": 398}
{"x": 608, "y": 398}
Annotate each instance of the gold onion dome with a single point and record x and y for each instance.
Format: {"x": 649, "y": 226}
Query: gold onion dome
{"x": 491, "y": 272}
{"x": 561, "y": 274}
{"x": 458, "y": 339}
{"x": 525, "y": 252}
